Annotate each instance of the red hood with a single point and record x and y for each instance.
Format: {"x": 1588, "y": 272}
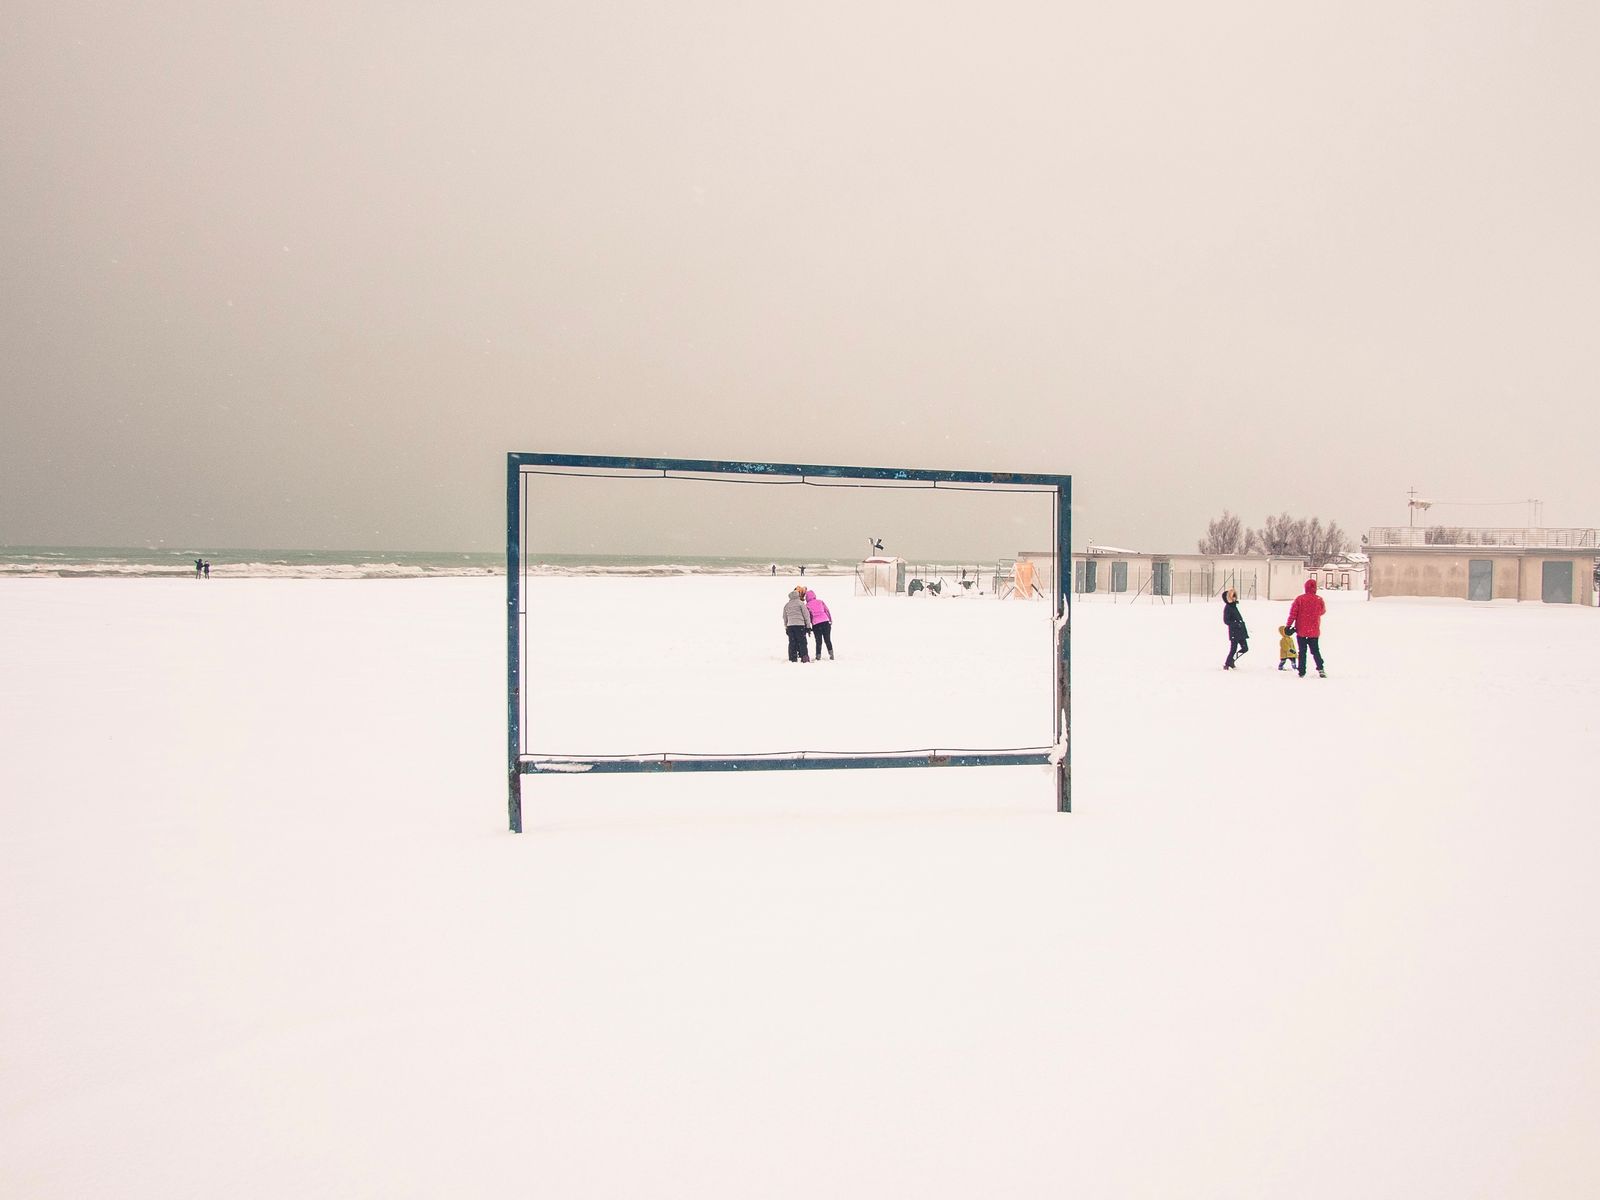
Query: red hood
{"x": 1311, "y": 587}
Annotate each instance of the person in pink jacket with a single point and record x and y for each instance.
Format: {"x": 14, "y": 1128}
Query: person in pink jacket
{"x": 1305, "y": 622}
{"x": 821, "y": 623}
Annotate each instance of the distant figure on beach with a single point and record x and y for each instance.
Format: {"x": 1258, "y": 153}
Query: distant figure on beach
{"x": 774, "y": 568}
{"x": 1238, "y": 635}
{"x": 1305, "y": 622}
{"x": 821, "y": 623}
{"x": 199, "y": 565}
{"x": 802, "y": 568}
{"x": 796, "y": 622}
{"x": 206, "y": 567}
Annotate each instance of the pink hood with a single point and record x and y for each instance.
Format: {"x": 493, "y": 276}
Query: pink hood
{"x": 819, "y": 610}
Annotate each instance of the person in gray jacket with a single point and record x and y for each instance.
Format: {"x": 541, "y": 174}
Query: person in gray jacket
{"x": 797, "y": 621}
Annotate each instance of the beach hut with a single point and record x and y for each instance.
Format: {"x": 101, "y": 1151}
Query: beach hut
{"x": 881, "y": 576}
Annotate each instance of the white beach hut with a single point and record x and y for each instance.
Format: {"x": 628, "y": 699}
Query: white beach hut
{"x": 881, "y": 576}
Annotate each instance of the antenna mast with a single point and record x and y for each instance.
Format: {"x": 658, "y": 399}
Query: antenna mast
{"x": 1535, "y": 507}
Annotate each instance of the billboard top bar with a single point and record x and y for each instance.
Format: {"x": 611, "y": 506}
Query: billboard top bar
{"x": 699, "y": 466}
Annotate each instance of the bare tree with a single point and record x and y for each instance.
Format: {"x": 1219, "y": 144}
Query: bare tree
{"x": 1298, "y": 537}
{"x": 1279, "y": 535}
{"x": 1328, "y": 542}
{"x": 1224, "y": 535}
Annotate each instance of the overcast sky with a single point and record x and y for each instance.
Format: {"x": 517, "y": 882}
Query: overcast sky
{"x": 299, "y": 274}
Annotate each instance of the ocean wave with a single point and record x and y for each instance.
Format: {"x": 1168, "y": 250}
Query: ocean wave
{"x": 55, "y": 567}
{"x": 104, "y": 570}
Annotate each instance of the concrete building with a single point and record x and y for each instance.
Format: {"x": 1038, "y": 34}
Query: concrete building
{"x": 1348, "y": 573}
{"x": 1555, "y": 566}
{"x": 1117, "y": 572}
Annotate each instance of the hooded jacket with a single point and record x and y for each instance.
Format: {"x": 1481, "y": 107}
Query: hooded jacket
{"x": 1233, "y": 618}
{"x": 795, "y": 612}
{"x": 819, "y": 610}
{"x": 1305, "y": 614}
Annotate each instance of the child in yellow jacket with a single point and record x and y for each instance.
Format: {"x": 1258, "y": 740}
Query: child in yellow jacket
{"x": 1286, "y": 648}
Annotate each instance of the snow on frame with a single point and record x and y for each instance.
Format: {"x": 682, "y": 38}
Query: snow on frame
{"x": 264, "y": 933}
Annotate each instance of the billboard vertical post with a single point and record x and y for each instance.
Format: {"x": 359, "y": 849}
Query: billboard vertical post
{"x": 1063, "y": 625}
{"x": 514, "y": 535}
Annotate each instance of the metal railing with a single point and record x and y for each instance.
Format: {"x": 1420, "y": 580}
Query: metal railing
{"x": 1463, "y": 535}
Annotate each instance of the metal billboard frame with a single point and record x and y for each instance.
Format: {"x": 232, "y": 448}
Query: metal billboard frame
{"x": 520, "y": 763}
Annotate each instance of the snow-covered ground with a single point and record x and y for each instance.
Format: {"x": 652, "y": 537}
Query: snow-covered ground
{"x": 624, "y": 666}
{"x": 262, "y": 932}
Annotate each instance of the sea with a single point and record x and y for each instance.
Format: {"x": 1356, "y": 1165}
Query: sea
{"x": 123, "y": 562}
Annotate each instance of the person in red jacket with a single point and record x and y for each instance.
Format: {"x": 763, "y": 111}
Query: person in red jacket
{"x": 1305, "y": 622}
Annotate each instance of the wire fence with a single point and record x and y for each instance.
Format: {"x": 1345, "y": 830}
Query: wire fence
{"x": 897, "y": 578}
{"x": 1110, "y": 581}
{"x": 1156, "y": 583}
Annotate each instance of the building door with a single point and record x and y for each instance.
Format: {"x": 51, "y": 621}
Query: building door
{"x": 1162, "y": 583}
{"x": 1090, "y": 570}
{"x": 1480, "y": 579}
{"x": 1557, "y": 583}
{"x": 1119, "y": 577}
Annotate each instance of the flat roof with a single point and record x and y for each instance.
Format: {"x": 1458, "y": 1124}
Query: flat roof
{"x": 1484, "y": 551}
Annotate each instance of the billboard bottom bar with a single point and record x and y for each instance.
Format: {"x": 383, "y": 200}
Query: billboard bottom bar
{"x": 585, "y": 766}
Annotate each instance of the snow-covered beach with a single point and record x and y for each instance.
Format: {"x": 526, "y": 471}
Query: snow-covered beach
{"x": 264, "y": 933}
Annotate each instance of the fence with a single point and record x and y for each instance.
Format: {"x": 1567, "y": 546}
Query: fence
{"x": 1095, "y": 579}
{"x": 1155, "y": 583}
{"x": 953, "y": 579}
{"x": 1460, "y": 535}
{"x": 939, "y": 579}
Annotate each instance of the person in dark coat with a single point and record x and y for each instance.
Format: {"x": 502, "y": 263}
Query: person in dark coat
{"x": 1238, "y": 635}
